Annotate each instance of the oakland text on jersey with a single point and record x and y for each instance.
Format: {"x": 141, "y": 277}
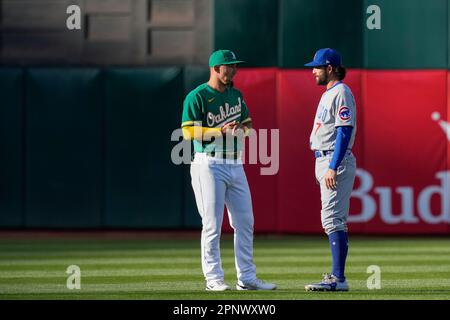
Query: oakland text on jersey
{"x": 226, "y": 114}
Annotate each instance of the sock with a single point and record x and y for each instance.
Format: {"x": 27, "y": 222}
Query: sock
{"x": 339, "y": 249}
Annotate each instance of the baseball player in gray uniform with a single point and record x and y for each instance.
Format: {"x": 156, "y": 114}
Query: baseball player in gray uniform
{"x": 331, "y": 140}
{"x": 216, "y": 118}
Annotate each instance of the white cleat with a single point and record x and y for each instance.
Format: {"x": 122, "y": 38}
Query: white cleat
{"x": 329, "y": 283}
{"x": 256, "y": 284}
{"x": 217, "y": 285}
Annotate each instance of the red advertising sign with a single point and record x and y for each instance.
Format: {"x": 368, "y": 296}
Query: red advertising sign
{"x": 402, "y": 151}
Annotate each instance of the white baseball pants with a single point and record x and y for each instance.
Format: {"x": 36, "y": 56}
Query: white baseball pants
{"x": 216, "y": 183}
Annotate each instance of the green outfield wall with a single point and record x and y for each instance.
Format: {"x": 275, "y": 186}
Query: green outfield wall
{"x": 413, "y": 34}
{"x": 11, "y": 147}
{"x": 89, "y": 148}
{"x": 63, "y": 147}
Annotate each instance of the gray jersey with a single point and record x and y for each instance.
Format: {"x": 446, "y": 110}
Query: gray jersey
{"x": 336, "y": 108}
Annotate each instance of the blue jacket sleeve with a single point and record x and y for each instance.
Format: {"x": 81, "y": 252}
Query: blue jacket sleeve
{"x": 342, "y": 140}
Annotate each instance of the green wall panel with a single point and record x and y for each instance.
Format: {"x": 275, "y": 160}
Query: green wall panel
{"x": 249, "y": 28}
{"x": 448, "y": 34}
{"x": 306, "y": 26}
{"x": 413, "y": 35}
{"x": 143, "y": 186}
{"x": 11, "y": 147}
{"x": 63, "y": 148}
{"x": 193, "y": 76}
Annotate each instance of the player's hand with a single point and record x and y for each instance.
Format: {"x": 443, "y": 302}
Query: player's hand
{"x": 228, "y": 127}
{"x": 330, "y": 179}
{"x": 238, "y": 130}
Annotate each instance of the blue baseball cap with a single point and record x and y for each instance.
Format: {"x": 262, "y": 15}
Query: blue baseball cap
{"x": 325, "y": 56}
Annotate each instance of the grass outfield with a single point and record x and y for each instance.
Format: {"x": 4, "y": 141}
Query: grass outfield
{"x": 169, "y": 268}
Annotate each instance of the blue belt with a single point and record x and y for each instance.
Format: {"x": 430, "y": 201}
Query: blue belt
{"x": 324, "y": 153}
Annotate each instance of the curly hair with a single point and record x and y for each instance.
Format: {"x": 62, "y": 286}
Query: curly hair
{"x": 340, "y": 72}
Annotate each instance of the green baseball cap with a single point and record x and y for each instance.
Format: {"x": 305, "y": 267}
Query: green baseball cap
{"x": 220, "y": 57}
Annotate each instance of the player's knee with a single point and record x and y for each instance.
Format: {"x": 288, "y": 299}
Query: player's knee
{"x": 211, "y": 226}
{"x": 333, "y": 228}
{"x": 250, "y": 220}
{"x": 245, "y": 220}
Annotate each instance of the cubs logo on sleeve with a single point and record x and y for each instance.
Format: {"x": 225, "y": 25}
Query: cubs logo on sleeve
{"x": 345, "y": 113}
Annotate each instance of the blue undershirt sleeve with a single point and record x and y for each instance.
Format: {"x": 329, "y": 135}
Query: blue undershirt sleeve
{"x": 342, "y": 140}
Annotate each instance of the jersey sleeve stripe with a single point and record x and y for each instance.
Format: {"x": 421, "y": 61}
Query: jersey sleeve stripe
{"x": 187, "y": 123}
{"x": 247, "y": 120}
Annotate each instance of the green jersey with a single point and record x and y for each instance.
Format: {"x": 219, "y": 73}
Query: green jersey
{"x": 207, "y": 107}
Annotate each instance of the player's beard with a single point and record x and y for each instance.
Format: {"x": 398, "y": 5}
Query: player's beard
{"x": 322, "y": 80}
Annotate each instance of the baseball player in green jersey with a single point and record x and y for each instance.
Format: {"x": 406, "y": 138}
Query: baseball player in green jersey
{"x": 332, "y": 138}
{"x": 216, "y": 118}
